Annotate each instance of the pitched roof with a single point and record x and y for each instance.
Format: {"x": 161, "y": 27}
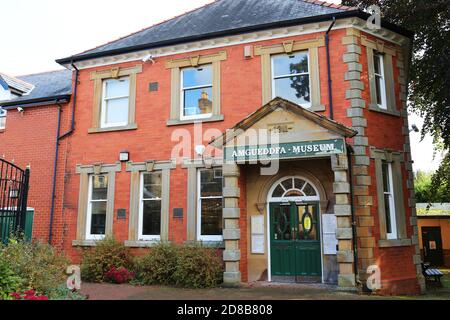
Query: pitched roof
{"x": 218, "y": 18}
{"x": 271, "y": 106}
{"x": 47, "y": 85}
{"x": 15, "y": 83}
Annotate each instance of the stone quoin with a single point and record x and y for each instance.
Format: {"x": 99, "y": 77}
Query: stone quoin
{"x": 337, "y": 198}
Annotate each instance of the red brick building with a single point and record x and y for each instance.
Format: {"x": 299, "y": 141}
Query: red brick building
{"x": 240, "y": 132}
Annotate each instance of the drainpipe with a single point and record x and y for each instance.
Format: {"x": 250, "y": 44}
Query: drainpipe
{"x": 58, "y": 139}
{"x": 350, "y": 152}
{"x": 55, "y": 165}
{"x": 327, "y": 44}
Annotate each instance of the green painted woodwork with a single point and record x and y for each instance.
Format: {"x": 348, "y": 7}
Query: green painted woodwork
{"x": 295, "y": 239}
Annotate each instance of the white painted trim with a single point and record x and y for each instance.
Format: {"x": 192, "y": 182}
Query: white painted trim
{"x": 392, "y": 211}
{"x": 383, "y": 104}
{"x": 142, "y": 237}
{"x": 272, "y": 70}
{"x": 90, "y": 236}
{"x": 245, "y": 38}
{"x": 218, "y": 238}
{"x": 103, "y": 123}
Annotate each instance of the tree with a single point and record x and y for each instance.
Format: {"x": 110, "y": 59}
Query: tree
{"x": 424, "y": 190}
{"x": 429, "y": 88}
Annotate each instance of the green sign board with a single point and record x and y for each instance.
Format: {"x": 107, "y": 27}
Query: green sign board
{"x": 304, "y": 149}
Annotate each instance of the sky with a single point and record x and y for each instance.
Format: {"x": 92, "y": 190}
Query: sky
{"x": 35, "y": 33}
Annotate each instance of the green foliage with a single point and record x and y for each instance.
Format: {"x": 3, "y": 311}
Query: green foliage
{"x": 39, "y": 265}
{"x": 198, "y": 267}
{"x": 107, "y": 253}
{"x": 424, "y": 190}
{"x": 184, "y": 266}
{"x": 429, "y": 93}
{"x": 64, "y": 293}
{"x": 157, "y": 266}
{"x": 9, "y": 281}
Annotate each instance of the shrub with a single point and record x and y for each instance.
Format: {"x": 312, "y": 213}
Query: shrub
{"x": 198, "y": 267}
{"x": 9, "y": 281}
{"x": 39, "y": 265}
{"x": 185, "y": 266}
{"x": 119, "y": 275}
{"x": 64, "y": 293}
{"x": 158, "y": 265}
{"x": 28, "y": 295}
{"x": 99, "y": 260}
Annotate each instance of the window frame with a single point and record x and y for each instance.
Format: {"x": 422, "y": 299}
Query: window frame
{"x": 200, "y": 237}
{"x": 103, "y": 111}
{"x": 3, "y": 114}
{"x": 392, "y": 210}
{"x": 141, "y": 236}
{"x": 182, "y": 90}
{"x": 273, "y": 78}
{"x": 380, "y": 79}
{"x": 89, "y": 235}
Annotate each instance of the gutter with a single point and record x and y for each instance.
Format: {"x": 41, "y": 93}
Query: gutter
{"x": 57, "y": 140}
{"x": 321, "y": 18}
{"x": 36, "y": 102}
{"x": 330, "y": 82}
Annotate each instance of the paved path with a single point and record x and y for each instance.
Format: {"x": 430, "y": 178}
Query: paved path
{"x": 256, "y": 292}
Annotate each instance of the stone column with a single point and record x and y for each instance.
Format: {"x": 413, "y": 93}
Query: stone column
{"x": 417, "y": 259}
{"x": 231, "y": 230}
{"x": 356, "y": 108}
{"x": 344, "y": 232}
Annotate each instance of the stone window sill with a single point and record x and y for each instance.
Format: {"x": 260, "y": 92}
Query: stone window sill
{"x": 131, "y": 126}
{"x": 208, "y": 244}
{"x": 2, "y": 130}
{"x": 388, "y": 111}
{"x": 84, "y": 243}
{"x": 387, "y": 243}
{"x": 177, "y": 122}
{"x": 143, "y": 244}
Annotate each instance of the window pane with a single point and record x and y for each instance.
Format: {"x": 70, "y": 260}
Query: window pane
{"x": 290, "y": 64}
{"x": 117, "y": 111}
{"x": 98, "y": 219}
{"x": 385, "y": 169}
{"x": 211, "y": 217}
{"x": 152, "y": 186}
{"x": 378, "y": 89}
{"x": 377, "y": 63}
{"x": 211, "y": 183}
{"x": 197, "y": 101}
{"x": 387, "y": 211}
{"x": 287, "y": 184}
{"x": 295, "y": 89}
{"x": 99, "y": 187}
{"x": 193, "y": 77}
{"x": 151, "y": 224}
{"x": 278, "y": 192}
{"x": 298, "y": 183}
{"x": 309, "y": 190}
{"x": 117, "y": 88}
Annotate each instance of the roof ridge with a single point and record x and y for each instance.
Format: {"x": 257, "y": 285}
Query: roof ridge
{"x": 153, "y": 25}
{"x": 329, "y": 4}
{"x": 43, "y": 72}
{"x": 16, "y": 78}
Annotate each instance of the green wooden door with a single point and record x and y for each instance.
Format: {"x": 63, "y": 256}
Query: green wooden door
{"x": 295, "y": 240}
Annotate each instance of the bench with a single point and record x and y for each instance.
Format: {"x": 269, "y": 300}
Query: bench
{"x": 431, "y": 273}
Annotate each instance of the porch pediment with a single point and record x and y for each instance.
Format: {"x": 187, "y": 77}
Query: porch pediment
{"x": 289, "y": 122}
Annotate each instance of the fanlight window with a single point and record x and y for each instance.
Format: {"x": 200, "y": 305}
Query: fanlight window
{"x": 294, "y": 187}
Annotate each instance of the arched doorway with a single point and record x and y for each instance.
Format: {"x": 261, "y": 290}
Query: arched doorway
{"x": 294, "y": 230}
